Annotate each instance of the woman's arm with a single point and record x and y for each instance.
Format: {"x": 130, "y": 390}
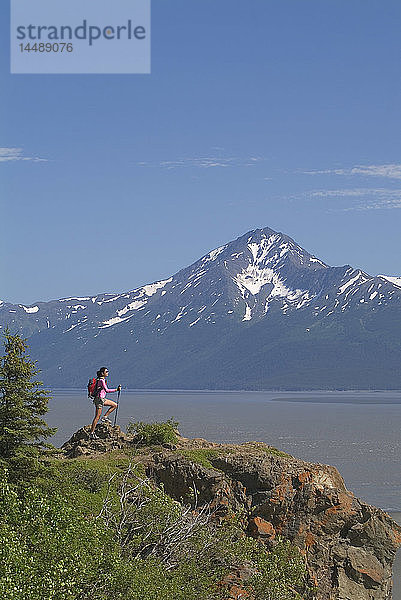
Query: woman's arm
{"x": 106, "y": 389}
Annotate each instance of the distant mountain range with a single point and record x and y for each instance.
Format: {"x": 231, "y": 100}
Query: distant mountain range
{"x": 257, "y": 313}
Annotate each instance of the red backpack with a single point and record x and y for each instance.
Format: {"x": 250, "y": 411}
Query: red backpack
{"x": 92, "y": 388}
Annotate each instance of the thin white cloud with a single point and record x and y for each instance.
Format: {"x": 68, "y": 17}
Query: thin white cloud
{"x": 366, "y": 198}
{"x": 204, "y": 162}
{"x": 14, "y": 154}
{"x": 390, "y": 171}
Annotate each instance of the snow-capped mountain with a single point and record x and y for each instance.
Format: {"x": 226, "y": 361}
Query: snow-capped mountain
{"x": 260, "y": 296}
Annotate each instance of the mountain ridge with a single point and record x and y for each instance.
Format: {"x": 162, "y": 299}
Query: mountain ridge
{"x": 262, "y": 285}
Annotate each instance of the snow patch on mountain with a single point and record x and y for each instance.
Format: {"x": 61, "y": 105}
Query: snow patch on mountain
{"x": 29, "y": 309}
{"x": 133, "y": 306}
{"x": 348, "y": 283}
{"x": 248, "y": 314}
{"x": 360, "y": 275}
{"x": 213, "y": 254}
{"x": 260, "y": 250}
{"x": 305, "y": 298}
{"x": 112, "y": 299}
{"x": 252, "y": 278}
{"x": 394, "y": 280}
{"x": 180, "y": 314}
{"x": 141, "y": 297}
{"x": 314, "y": 259}
{"x": 113, "y": 321}
{"x": 197, "y": 274}
{"x": 256, "y": 274}
{"x": 152, "y": 288}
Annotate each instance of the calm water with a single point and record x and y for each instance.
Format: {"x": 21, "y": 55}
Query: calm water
{"x": 357, "y": 432}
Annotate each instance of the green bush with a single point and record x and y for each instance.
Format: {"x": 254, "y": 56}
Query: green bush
{"x": 48, "y": 550}
{"x": 148, "y": 434}
{"x": 281, "y": 574}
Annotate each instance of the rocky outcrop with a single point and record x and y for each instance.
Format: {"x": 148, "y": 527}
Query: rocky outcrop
{"x": 349, "y": 546}
{"x": 108, "y": 438}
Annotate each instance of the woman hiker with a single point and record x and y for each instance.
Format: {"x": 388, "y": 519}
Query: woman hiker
{"x": 100, "y": 400}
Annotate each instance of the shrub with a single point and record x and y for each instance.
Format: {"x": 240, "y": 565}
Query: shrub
{"x": 48, "y": 551}
{"x": 51, "y": 551}
{"x": 281, "y": 574}
{"x": 148, "y": 434}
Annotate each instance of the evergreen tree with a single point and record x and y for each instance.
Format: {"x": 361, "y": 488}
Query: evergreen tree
{"x": 22, "y": 404}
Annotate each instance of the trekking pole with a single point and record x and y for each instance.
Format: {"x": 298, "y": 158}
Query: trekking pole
{"x": 118, "y": 404}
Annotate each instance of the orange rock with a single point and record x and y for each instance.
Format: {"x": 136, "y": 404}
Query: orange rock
{"x": 309, "y": 539}
{"x": 233, "y": 585}
{"x": 237, "y": 593}
{"x": 372, "y": 574}
{"x": 259, "y": 528}
{"x": 304, "y": 477}
{"x": 344, "y": 504}
{"x": 397, "y": 536}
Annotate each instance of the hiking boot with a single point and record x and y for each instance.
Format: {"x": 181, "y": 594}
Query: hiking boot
{"x": 106, "y": 421}
{"x": 93, "y": 436}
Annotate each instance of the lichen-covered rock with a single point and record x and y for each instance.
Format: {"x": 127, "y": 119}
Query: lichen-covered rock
{"x": 233, "y": 584}
{"x": 261, "y": 529}
{"x": 349, "y": 546}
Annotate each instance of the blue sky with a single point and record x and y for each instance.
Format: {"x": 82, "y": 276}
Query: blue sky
{"x": 266, "y": 113}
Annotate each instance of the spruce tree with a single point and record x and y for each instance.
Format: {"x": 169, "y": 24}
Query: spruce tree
{"x": 23, "y": 402}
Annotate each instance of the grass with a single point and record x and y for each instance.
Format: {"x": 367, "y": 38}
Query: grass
{"x": 203, "y": 456}
{"x": 274, "y": 452}
{"x": 261, "y": 446}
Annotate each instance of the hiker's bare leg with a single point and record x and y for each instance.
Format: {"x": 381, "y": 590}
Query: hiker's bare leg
{"x": 97, "y": 417}
{"x": 113, "y": 406}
